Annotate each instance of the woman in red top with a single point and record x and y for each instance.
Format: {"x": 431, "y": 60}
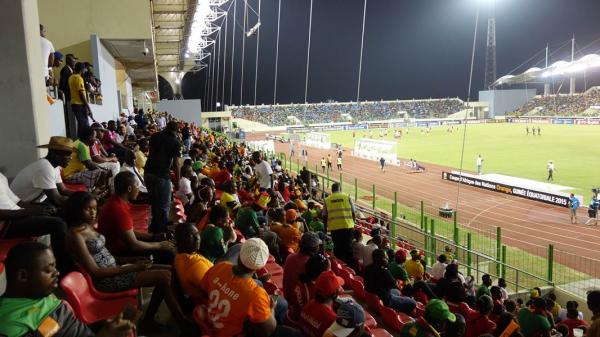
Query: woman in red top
{"x": 304, "y": 290}
{"x": 479, "y": 323}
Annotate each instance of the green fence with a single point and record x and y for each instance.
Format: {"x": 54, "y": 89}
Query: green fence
{"x": 478, "y": 250}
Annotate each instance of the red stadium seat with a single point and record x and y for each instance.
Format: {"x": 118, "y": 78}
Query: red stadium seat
{"x": 345, "y": 274}
{"x": 419, "y": 310}
{"x": 379, "y": 333}
{"x": 373, "y": 302}
{"x": 75, "y": 187}
{"x": 141, "y": 217}
{"x": 358, "y": 287}
{"x": 104, "y": 295}
{"x": 394, "y": 319}
{"x": 87, "y": 307}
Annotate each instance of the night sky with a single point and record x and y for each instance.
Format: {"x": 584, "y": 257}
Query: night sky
{"x": 412, "y": 48}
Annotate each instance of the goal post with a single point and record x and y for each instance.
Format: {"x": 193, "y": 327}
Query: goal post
{"x": 318, "y": 140}
{"x": 372, "y": 149}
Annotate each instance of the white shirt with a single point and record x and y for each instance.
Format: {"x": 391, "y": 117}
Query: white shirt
{"x": 31, "y": 181}
{"x": 437, "y": 270}
{"x": 550, "y": 166}
{"x": 479, "y": 161}
{"x": 137, "y": 175}
{"x": 47, "y": 48}
{"x": 339, "y": 161}
{"x": 562, "y": 314}
{"x": 185, "y": 188}
{"x": 367, "y": 253}
{"x": 161, "y": 122}
{"x": 263, "y": 172}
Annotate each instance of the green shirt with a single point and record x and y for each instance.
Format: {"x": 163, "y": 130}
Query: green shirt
{"x": 308, "y": 216}
{"x": 316, "y": 226}
{"x": 247, "y": 222}
{"x": 483, "y": 290}
{"x": 532, "y": 323}
{"x": 398, "y": 271}
{"x": 19, "y": 316}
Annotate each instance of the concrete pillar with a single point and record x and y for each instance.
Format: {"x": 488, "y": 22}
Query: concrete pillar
{"x": 24, "y": 110}
{"x": 546, "y": 89}
{"x": 572, "y": 86}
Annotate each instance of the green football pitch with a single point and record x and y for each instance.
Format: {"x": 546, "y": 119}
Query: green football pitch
{"x": 505, "y": 148}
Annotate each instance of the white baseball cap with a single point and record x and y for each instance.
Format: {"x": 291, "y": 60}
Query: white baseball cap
{"x": 254, "y": 254}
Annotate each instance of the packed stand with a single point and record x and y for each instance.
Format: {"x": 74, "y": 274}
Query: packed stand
{"x": 230, "y": 242}
{"x": 278, "y": 115}
{"x": 563, "y": 105}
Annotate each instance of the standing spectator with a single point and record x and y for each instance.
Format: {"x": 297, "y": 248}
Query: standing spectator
{"x": 573, "y": 206}
{"x": 41, "y": 180}
{"x": 479, "y": 164}
{"x": 484, "y": 288}
{"x": 323, "y": 164}
{"x": 79, "y": 102}
{"x": 65, "y": 92}
{"x": 379, "y": 281}
{"x": 502, "y": 285}
{"x": 593, "y": 302}
{"x": 262, "y": 170}
{"x": 593, "y": 211}
{"x": 141, "y": 120}
{"x": 338, "y": 217}
{"x": 165, "y": 151}
{"x": 339, "y": 163}
{"x": 161, "y": 121}
{"x": 47, "y": 54}
{"x": 534, "y": 321}
{"x": 382, "y": 164}
{"x": 329, "y": 162}
{"x": 551, "y": 170}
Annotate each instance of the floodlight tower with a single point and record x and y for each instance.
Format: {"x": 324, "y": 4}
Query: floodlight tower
{"x": 490, "y": 53}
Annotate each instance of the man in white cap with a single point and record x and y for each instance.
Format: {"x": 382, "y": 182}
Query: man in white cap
{"x": 236, "y": 303}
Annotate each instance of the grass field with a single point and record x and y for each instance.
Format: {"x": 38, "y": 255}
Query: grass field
{"x": 506, "y": 149}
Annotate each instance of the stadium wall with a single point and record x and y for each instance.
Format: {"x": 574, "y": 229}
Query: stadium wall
{"x": 503, "y": 101}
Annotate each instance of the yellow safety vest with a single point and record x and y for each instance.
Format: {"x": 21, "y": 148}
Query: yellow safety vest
{"x": 339, "y": 211}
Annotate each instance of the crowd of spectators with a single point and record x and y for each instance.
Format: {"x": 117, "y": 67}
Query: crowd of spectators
{"x": 278, "y": 115}
{"x": 576, "y": 105}
{"x": 241, "y": 212}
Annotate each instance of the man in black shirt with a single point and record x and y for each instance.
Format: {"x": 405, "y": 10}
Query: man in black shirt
{"x": 63, "y": 87}
{"x": 379, "y": 281}
{"x": 165, "y": 150}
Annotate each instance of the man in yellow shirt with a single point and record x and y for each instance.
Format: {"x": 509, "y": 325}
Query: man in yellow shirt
{"x": 414, "y": 267}
{"x": 189, "y": 265}
{"x": 79, "y": 104}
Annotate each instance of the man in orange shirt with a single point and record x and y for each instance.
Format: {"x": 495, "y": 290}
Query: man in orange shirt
{"x": 189, "y": 265}
{"x": 289, "y": 235}
{"x": 236, "y": 303}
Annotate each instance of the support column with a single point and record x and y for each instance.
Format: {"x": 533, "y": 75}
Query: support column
{"x": 23, "y": 101}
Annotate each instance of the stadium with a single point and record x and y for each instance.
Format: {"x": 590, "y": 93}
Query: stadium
{"x": 300, "y": 168}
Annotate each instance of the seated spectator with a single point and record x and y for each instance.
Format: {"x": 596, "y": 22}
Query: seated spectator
{"x": 217, "y": 235}
{"x": 88, "y": 247}
{"x": 397, "y": 266}
{"x": 20, "y": 219}
{"x": 316, "y": 225}
{"x": 562, "y": 314}
{"x": 414, "y": 267}
{"x": 110, "y": 141}
{"x": 250, "y": 308}
{"x": 41, "y": 180}
{"x": 366, "y": 254}
{"x": 141, "y": 154}
{"x": 116, "y": 224}
{"x": 451, "y": 275}
{"x": 357, "y": 245}
{"x": 318, "y": 314}
{"x": 81, "y": 169}
{"x": 484, "y": 288}
{"x": 100, "y": 156}
{"x": 436, "y": 319}
{"x": 379, "y": 281}
{"x": 189, "y": 265}
{"x": 507, "y": 326}
{"x": 573, "y": 322}
{"x": 289, "y": 236}
{"x": 129, "y": 166}
{"x": 456, "y": 296}
{"x": 188, "y": 182}
{"x": 498, "y": 305}
{"x": 533, "y": 320}
{"x": 295, "y": 263}
{"x": 304, "y": 291}
{"x": 222, "y": 176}
{"x": 593, "y": 303}
{"x": 479, "y": 323}
{"x": 229, "y": 198}
{"x": 511, "y": 307}
{"x": 439, "y": 268}
{"x": 311, "y": 212}
{"x": 552, "y": 306}
{"x": 349, "y": 322}
{"x": 29, "y": 307}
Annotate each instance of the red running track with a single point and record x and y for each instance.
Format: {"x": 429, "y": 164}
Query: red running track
{"x": 528, "y": 225}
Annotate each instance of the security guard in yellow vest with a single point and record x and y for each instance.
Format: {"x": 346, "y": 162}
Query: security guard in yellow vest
{"x": 338, "y": 216}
